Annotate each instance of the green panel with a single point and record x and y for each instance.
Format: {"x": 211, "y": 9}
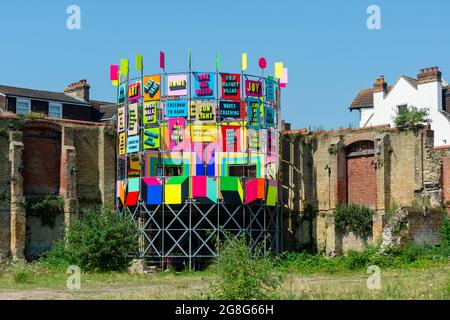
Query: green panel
{"x": 176, "y": 180}
{"x": 229, "y": 183}
{"x": 272, "y": 196}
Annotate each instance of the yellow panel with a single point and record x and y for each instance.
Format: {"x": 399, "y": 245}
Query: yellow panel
{"x": 172, "y": 194}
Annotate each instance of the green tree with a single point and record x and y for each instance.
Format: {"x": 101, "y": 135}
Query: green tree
{"x": 412, "y": 118}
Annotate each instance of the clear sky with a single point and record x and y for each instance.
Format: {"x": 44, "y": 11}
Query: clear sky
{"x": 326, "y": 45}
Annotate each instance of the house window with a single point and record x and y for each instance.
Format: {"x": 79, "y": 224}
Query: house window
{"x": 23, "y": 106}
{"x": 55, "y": 110}
{"x": 402, "y": 108}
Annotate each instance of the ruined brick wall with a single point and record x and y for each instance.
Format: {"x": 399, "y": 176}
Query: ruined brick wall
{"x": 446, "y": 181}
{"x": 323, "y": 169}
{"x": 5, "y": 186}
{"x": 72, "y": 160}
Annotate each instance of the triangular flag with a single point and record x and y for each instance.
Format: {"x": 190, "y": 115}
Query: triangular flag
{"x": 217, "y": 61}
{"x": 244, "y": 61}
{"x": 139, "y": 62}
{"x": 279, "y": 70}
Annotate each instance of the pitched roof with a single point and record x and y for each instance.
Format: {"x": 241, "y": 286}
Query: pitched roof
{"x": 411, "y": 81}
{"x": 364, "y": 99}
{"x": 41, "y": 94}
{"x": 106, "y": 110}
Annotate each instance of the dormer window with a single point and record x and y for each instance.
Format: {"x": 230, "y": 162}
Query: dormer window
{"x": 55, "y": 110}
{"x": 23, "y": 106}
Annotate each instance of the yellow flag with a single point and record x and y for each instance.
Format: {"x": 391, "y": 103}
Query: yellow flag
{"x": 279, "y": 70}
{"x": 115, "y": 83}
{"x": 244, "y": 61}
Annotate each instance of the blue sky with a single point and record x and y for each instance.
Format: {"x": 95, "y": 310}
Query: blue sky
{"x": 326, "y": 45}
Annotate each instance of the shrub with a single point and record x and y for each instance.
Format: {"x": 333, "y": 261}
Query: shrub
{"x": 242, "y": 273}
{"x": 411, "y": 118}
{"x": 445, "y": 230}
{"x": 99, "y": 241}
{"x": 352, "y": 217}
{"x": 20, "y": 274}
{"x": 46, "y": 208}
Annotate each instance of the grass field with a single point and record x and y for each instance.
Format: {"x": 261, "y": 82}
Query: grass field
{"x": 35, "y": 282}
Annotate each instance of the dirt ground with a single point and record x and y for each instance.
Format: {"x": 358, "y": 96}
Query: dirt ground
{"x": 429, "y": 283}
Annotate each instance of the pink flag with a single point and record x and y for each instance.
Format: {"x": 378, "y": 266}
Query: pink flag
{"x": 114, "y": 72}
{"x": 161, "y": 60}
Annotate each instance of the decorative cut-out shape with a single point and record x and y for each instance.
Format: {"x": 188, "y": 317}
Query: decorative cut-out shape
{"x": 272, "y": 193}
{"x": 254, "y": 190}
{"x": 176, "y": 190}
{"x": 231, "y": 189}
{"x": 204, "y": 189}
{"x": 121, "y": 191}
{"x": 151, "y": 190}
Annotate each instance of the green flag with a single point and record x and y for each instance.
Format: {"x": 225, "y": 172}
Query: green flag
{"x": 139, "y": 62}
{"x": 217, "y": 61}
{"x": 189, "y": 59}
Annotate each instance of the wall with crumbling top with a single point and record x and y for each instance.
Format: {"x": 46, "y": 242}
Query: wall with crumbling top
{"x": 70, "y": 160}
{"x": 378, "y": 167}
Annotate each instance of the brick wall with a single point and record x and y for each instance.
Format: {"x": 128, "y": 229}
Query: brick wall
{"x": 42, "y": 147}
{"x": 404, "y": 167}
{"x": 362, "y": 181}
{"x": 446, "y": 181}
{"x": 55, "y": 153}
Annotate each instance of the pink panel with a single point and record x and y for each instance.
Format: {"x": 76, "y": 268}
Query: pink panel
{"x": 151, "y": 181}
{"x": 199, "y": 187}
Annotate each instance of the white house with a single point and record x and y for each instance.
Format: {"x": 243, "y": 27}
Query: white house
{"x": 379, "y": 105}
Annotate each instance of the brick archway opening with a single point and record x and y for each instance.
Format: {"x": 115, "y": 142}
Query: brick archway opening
{"x": 361, "y": 174}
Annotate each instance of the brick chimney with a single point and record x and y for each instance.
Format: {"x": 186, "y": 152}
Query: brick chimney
{"x": 285, "y": 126}
{"x": 380, "y": 85}
{"x": 79, "y": 90}
{"x": 429, "y": 75}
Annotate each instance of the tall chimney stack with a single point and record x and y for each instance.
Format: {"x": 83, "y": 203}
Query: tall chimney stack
{"x": 380, "y": 85}
{"x": 429, "y": 75}
{"x": 79, "y": 90}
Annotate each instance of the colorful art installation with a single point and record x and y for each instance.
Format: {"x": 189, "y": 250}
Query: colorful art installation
{"x": 176, "y": 190}
{"x": 198, "y": 153}
{"x": 204, "y": 189}
{"x": 254, "y": 190}
{"x": 152, "y": 88}
{"x": 152, "y": 190}
{"x": 231, "y": 189}
{"x": 204, "y": 85}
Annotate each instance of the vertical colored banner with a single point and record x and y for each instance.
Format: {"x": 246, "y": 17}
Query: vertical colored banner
{"x": 134, "y": 91}
{"x": 231, "y": 86}
{"x": 204, "y": 85}
{"x": 152, "y": 88}
{"x": 270, "y": 90}
{"x": 254, "y": 113}
{"x": 122, "y": 94}
{"x": 270, "y": 117}
{"x": 177, "y": 85}
{"x": 176, "y": 133}
{"x": 253, "y": 88}
{"x": 151, "y": 138}
{"x": 149, "y": 112}
{"x": 231, "y": 138}
{"x": 133, "y": 125}
{"x": 121, "y": 119}
{"x": 122, "y": 143}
